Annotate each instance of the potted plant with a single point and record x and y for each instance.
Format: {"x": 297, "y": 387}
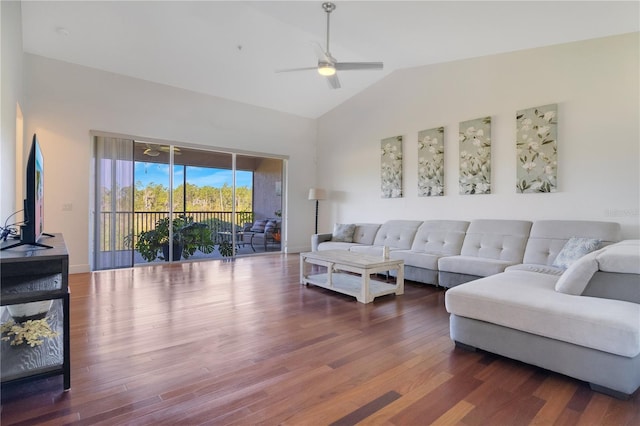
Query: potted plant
{"x": 188, "y": 236}
{"x": 226, "y": 249}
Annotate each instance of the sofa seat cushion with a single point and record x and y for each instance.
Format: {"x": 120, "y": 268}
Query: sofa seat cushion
{"x": 471, "y": 265}
{"x": 368, "y": 250}
{"x": 533, "y": 267}
{"x": 527, "y": 301}
{"x": 418, "y": 259}
{"x": 336, "y": 245}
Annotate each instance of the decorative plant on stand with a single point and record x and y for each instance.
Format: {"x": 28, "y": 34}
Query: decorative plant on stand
{"x": 188, "y": 236}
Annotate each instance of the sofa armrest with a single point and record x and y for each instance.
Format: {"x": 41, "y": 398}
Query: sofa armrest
{"x": 316, "y": 239}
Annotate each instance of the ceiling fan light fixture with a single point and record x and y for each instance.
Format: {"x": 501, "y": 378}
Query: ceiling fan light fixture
{"x": 326, "y": 70}
{"x": 151, "y": 152}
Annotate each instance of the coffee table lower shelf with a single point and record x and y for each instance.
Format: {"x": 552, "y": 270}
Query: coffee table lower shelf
{"x": 350, "y": 284}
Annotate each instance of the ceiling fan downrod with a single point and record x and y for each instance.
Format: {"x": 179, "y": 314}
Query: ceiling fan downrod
{"x": 328, "y": 7}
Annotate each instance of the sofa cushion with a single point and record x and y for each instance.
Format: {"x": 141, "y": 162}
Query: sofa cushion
{"x": 533, "y": 267}
{"x": 548, "y": 237}
{"x": 336, "y": 245}
{"x": 368, "y": 250}
{"x": 496, "y": 239}
{"x": 397, "y": 233}
{"x": 270, "y": 227}
{"x": 575, "y": 279}
{"x": 622, "y": 257}
{"x": 343, "y": 232}
{"x": 527, "y": 301}
{"x": 441, "y": 237}
{"x": 365, "y": 233}
{"x": 259, "y": 225}
{"x": 574, "y": 249}
{"x": 416, "y": 258}
{"x": 471, "y": 265}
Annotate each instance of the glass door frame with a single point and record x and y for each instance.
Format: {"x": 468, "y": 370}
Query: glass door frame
{"x": 94, "y": 196}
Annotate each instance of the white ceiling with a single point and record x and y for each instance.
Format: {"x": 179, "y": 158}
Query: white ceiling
{"x": 231, "y": 49}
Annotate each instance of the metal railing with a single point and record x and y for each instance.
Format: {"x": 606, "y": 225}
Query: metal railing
{"x": 121, "y": 226}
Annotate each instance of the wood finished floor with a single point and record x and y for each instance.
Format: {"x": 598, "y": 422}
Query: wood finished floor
{"x": 243, "y": 343}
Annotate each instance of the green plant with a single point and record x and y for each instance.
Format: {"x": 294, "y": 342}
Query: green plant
{"x": 225, "y": 248}
{"x": 188, "y": 236}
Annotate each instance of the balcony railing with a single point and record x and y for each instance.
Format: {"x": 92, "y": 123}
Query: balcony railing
{"x": 117, "y": 226}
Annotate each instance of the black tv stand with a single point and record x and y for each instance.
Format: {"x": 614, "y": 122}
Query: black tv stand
{"x": 25, "y": 243}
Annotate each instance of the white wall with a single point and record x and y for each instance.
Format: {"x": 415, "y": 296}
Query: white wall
{"x": 594, "y": 83}
{"x": 67, "y": 101}
{"x": 11, "y": 96}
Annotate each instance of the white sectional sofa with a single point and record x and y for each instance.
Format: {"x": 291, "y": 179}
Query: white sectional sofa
{"x": 451, "y": 252}
{"x": 509, "y": 294}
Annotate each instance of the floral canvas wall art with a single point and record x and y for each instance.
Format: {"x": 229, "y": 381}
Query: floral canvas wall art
{"x": 431, "y": 162}
{"x": 475, "y": 156}
{"x": 391, "y": 167}
{"x": 537, "y": 149}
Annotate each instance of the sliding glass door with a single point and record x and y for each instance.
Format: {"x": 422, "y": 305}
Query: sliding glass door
{"x": 204, "y": 202}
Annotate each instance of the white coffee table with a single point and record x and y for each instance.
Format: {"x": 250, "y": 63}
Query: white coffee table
{"x": 350, "y": 273}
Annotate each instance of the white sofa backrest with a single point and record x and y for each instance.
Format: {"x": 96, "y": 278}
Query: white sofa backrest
{"x": 365, "y": 233}
{"x": 496, "y": 239}
{"x": 548, "y": 237}
{"x": 397, "y": 233}
{"x": 442, "y": 237}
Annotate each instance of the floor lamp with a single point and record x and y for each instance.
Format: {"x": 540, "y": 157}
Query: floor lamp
{"x": 317, "y": 194}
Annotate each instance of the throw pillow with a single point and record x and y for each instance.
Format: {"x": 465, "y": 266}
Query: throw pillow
{"x": 574, "y": 249}
{"x": 343, "y": 232}
{"x": 270, "y": 227}
{"x": 259, "y": 225}
{"x": 575, "y": 279}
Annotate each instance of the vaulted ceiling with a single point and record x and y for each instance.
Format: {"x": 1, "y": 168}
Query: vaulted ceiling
{"x": 231, "y": 49}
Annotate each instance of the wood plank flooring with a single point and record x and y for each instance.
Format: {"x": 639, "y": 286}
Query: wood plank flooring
{"x": 239, "y": 343}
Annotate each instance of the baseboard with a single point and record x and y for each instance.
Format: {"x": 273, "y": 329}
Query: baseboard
{"x": 79, "y": 269}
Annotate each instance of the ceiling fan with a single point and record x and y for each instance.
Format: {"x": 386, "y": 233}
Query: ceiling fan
{"x": 328, "y": 65}
{"x": 155, "y": 150}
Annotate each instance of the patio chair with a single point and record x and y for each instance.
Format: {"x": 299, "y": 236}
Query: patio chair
{"x": 262, "y": 232}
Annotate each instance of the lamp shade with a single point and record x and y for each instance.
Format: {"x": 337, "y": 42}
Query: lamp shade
{"x": 317, "y": 194}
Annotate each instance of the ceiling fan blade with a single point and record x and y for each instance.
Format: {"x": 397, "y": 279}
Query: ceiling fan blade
{"x": 344, "y": 66}
{"x": 333, "y": 81}
{"x": 298, "y": 69}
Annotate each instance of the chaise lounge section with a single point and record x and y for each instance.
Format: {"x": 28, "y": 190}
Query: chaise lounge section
{"x": 582, "y": 324}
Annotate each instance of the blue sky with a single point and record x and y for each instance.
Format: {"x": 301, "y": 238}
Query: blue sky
{"x": 200, "y": 176}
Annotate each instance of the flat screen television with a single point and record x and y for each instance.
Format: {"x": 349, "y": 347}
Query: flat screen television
{"x": 33, "y": 228}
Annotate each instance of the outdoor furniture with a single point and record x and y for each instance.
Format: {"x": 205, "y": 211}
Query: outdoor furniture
{"x": 228, "y": 236}
{"x": 262, "y": 232}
